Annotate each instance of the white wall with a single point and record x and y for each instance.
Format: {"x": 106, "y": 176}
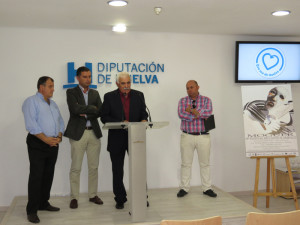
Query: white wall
{"x": 27, "y": 54}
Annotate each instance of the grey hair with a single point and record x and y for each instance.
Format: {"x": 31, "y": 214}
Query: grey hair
{"x": 122, "y": 75}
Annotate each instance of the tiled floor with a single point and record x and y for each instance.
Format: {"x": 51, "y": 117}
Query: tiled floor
{"x": 163, "y": 205}
{"x": 2, "y": 213}
{"x": 277, "y": 205}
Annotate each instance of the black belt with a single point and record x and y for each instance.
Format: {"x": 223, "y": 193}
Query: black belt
{"x": 196, "y": 133}
{"x": 89, "y": 128}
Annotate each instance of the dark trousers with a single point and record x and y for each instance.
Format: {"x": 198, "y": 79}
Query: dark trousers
{"x": 117, "y": 156}
{"x": 117, "y": 160}
{"x": 42, "y": 160}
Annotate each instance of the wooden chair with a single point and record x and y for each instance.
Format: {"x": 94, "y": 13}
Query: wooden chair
{"x": 216, "y": 220}
{"x": 286, "y": 218}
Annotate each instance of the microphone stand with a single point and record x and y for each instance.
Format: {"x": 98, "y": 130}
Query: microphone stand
{"x": 151, "y": 124}
{"x": 150, "y": 120}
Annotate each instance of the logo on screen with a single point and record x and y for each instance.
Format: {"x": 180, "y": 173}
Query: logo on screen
{"x": 270, "y": 63}
{"x": 72, "y": 74}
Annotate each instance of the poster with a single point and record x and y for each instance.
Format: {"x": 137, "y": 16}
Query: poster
{"x": 268, "y": 114}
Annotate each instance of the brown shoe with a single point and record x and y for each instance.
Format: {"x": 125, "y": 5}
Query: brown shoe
{"x": 96, "y": 200}
{"x": 73, "y": 204}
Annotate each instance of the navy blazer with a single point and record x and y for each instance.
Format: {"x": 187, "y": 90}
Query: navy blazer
{"x": 112, "y": 111}
{"x": 77, "y": 106}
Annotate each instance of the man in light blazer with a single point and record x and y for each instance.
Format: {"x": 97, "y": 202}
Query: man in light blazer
{"x": 84, "y": 134}
{"x": 121, "y": 105}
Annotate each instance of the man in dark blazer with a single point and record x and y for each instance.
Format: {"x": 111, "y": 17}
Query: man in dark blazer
{"x": 121, "y": 105}
{"x": 84, "y": 134}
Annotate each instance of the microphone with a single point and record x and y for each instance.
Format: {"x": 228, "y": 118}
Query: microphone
{"x": 143, "y": 100}
{"x": 193, "y": 104}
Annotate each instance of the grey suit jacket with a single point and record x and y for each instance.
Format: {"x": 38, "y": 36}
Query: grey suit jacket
{"x": 77, "y": 106}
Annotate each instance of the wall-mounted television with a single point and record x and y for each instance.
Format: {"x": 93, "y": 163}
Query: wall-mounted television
{"x": 267, "y": 62}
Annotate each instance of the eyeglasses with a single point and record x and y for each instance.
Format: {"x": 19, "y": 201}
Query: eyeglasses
{"x": 194, "y": 104}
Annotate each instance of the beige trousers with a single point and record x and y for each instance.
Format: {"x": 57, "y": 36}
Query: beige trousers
{"x": 90, "y": 144}
{"x": 188, "y": 144}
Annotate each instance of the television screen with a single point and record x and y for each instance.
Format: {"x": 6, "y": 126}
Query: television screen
{"x": 261, "y": 62}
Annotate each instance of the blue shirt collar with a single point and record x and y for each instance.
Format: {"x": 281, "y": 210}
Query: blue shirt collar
{"x": 41, "y": 96}
{"x": 82, "y": 89}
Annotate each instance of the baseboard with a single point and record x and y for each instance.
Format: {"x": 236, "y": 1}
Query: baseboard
{"x": 241, "y": 193}
{"x": 3, "y": 208}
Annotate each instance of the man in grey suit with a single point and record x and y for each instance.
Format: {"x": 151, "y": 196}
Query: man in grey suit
{"x": 84, "y": 134}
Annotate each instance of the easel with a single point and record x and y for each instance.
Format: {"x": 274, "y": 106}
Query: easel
{"x": 271, "y": 167}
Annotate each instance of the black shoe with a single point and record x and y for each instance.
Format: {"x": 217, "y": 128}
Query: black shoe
{"x": 148, "y": 204}
{"x": 33, "y": 218}
{"x": 96, "y": 200}
{"x": 120, "y": 205}
{"x": 73, "y": 204}
{"x": 181, "y": 193}
{"x": 51, "y": 208}
{"x": 210, "y": 193}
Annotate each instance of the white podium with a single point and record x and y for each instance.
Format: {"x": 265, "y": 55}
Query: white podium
{"x": 137, "y": 164}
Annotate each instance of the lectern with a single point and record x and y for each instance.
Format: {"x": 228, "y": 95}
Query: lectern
{"x": 137, "y": 164}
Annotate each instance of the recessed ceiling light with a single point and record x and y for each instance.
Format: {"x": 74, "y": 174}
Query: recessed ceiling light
{"x": 157, "y": 10}
{"x": 119, "y": 28}
{"x": 117, "y": 3}
{"x": 281, "y": 13}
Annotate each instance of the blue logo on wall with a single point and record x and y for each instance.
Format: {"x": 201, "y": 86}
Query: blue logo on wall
{"x": 270, "y": 63}
{"x": 140, "y": 73}
{"x": 72, "y": 75}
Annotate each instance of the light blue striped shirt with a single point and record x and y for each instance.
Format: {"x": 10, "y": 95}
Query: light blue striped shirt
{"x": 41, "y": 117}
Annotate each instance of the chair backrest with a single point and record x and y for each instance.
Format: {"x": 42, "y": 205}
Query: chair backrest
{"x": 216, "y": 220}
{"x": 286, "y": 218}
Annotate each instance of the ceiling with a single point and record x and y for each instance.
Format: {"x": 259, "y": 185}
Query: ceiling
{"x": 232, "y": 17}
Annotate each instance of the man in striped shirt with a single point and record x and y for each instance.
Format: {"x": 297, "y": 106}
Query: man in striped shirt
{"x": 193, "y": 110}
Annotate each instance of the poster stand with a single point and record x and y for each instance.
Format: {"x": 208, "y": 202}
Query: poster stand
{"x": 274, "y": 193}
